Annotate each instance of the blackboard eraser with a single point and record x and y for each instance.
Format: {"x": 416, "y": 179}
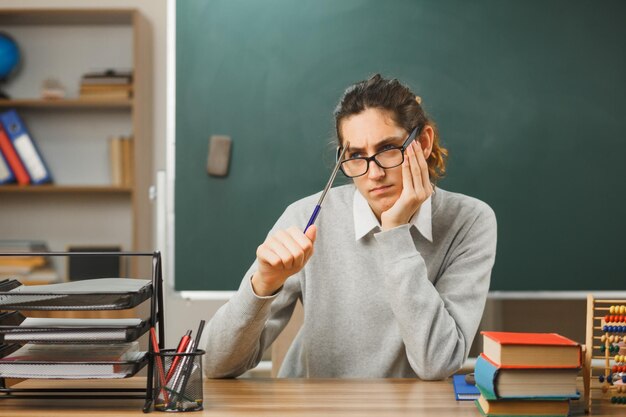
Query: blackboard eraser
{"x": 219, "y": 155}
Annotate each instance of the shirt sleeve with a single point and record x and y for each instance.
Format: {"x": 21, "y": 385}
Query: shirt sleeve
{"x": 438, "y": 321}
{"x": 243, "y": 328}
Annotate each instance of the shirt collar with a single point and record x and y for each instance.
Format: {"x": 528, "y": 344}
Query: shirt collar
{"x": 365, "y": 220}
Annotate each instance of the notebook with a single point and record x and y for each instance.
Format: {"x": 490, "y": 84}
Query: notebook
{"x": 464, "y": 391}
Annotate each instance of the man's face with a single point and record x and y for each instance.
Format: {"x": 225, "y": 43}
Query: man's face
{"x": 369, "y": 132}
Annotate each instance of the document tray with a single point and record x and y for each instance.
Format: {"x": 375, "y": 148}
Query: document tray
{"x": 15, "y": 328}
{"x": 73, "y": 370}
{"x": 94, "y": 294}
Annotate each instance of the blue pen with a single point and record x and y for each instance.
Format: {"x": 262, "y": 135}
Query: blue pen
{"x": 328, "y": 185}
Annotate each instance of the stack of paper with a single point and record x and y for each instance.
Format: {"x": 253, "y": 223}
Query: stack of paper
{"x": 72, "y": 361}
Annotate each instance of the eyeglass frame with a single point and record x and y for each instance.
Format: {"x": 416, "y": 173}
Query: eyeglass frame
{"x": 414, "y": 133}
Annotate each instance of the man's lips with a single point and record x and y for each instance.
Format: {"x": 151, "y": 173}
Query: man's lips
{"x": 380, "y": 189}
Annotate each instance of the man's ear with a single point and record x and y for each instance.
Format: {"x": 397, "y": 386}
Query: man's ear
{"x": 426, "y": 139}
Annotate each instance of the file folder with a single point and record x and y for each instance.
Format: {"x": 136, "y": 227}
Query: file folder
{"x": 12, "y": 159}
{"x": 25, "y": 147}
{"x": 6, "y": 175}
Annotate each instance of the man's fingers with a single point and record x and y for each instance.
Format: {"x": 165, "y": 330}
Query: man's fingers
{"x": 306, "y": 246}
{"x": 266, "y": 255}
{"x": 416, "y": 173}
{"x": 424, "y": 171}
{"x": 278, "y": 248}
{"x": 311, "y": 233}
{"x": 407, "y": 177}
{"x": 292, "y": 245}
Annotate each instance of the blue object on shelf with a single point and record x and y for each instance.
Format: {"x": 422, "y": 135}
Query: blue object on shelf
{"x": 9, "y": 55}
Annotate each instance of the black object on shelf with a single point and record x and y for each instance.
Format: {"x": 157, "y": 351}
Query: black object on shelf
{"x": 49, "y": 298}
{"x": 89, "y": 267}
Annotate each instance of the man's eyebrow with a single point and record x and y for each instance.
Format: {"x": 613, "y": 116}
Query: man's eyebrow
{"x": 382, "y": 142}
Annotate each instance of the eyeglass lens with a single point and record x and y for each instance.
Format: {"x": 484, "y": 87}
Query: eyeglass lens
{"x": 386, "y": 159}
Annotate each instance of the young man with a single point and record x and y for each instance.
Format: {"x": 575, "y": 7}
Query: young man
{"x": 394, "y": 277}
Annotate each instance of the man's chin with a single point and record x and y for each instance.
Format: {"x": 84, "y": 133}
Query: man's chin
{"x": 380, "y": 205}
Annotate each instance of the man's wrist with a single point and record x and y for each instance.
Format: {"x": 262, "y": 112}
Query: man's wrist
{"x": 259, "y": 288}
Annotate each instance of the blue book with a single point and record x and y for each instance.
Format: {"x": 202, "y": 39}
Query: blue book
{"x": 462, "y": 390}
{"x": 25, "y": 147}
{"x": 496, "y": 382}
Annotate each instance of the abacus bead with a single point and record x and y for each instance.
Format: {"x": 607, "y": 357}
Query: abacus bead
{"x": 622, "y": 309}
{"x": 624, "y": 340}
{"x": 601, "y": 378}
{"x": 614, "y": 368}
{"x": 624, "y": 379}
{"x": 612, "y": 309}
{"x": 613, "y": 400}
{"x": 605, "y": 388}
{"x": 603, "y": 338}
{"x": 602, "y": 349}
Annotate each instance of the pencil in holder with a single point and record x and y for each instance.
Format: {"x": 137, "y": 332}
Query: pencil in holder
{"x": 178, "y": 382}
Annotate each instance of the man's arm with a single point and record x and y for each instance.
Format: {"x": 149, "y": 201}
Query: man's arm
{"x": 438, "y": 322}
{"x": 243, "y": 328}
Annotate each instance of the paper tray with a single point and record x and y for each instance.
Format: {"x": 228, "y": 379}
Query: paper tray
{"x": 15, "y": 328}
{"x": 95, "y": 294}
{"x": 72, "y": 370}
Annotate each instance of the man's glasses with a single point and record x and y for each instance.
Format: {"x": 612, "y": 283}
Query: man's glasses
{"x": 386, "y": 159}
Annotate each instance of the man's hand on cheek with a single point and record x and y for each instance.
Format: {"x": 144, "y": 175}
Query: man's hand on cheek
{"x": 416, "y": 188}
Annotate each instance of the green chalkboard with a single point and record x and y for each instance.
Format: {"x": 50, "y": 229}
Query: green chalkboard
{"x": 529, "y": 96}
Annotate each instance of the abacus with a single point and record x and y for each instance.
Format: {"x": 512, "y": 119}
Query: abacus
{"x": 606, "y": 340}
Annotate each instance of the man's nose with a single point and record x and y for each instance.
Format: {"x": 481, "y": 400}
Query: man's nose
{"x": 375, "y": 171}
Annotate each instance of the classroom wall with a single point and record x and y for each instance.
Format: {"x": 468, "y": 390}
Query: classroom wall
{"x": 565, "y": 316}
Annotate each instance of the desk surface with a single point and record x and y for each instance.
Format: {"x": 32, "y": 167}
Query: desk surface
{"x": 279, "y": 397}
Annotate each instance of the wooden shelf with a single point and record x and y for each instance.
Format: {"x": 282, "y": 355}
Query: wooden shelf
{"x": 66, "y": 16}
{"x": 66, "y": 103}
{"x": 68, "y": 189}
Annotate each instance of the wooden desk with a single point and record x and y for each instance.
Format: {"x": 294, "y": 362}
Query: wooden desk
{"x": 281, "y": 397}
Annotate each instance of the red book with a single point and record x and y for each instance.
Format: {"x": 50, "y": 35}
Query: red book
{"x": 14, "y": 161}
{"x": 531, "y": 350}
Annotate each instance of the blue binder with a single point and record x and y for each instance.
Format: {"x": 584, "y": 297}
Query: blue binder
{"x": 25, "y": 147}
{"x": 6, "y": 174}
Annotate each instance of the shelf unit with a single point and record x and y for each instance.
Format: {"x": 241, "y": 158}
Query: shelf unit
{"x": 88, "y": 301}
{"x": 72, "y": 133}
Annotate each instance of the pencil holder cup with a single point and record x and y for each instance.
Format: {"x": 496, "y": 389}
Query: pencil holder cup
{"x": 178, "y": 383}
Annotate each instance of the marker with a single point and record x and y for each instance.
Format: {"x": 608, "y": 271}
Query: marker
{"x": 182, "y": 345}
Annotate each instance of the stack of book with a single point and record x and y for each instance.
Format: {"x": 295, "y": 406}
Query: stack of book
{"x": 530, "y": 374}
{"x": 107, "y": 85}
{"x": 29, "y": 270}
{"x": 121, "y": 154}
